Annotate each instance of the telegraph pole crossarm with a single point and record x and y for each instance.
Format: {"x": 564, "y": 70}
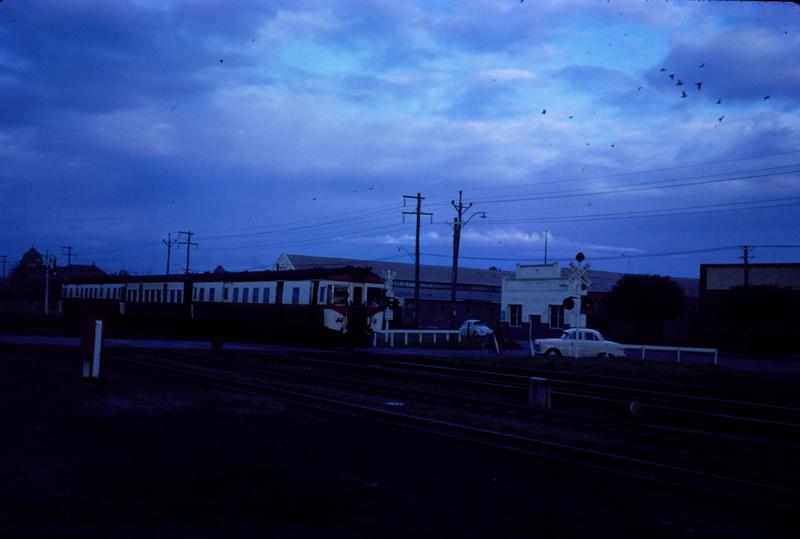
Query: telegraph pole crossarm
{"x": 69, "y": 254}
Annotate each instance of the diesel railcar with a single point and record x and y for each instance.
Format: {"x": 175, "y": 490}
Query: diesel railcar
{"x": 327, "y": 304}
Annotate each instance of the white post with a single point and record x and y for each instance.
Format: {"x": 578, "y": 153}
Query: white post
{"x": 434, "y": 338}
{"x": 679, "y": 355}
{"x": 715, "y": 356}
{"x": 98, "y": 342}
{"x": 405, "y": 339}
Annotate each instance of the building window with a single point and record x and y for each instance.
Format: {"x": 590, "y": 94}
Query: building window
{"x": 211, "y": 293}
{"x": 295, "y": 295}
{"x": 202, "y": 296}
{"x": 515, "y": 315}
{"x": 180, "y": 296}
{"x": 556, "y": 316}
{"x": 172, "y": 296}
{"x": 158, "y": 296}
{"x": 323, "y": 295}
{"x": 265, "y": 298}
{"x": 255, "y": 295}
{"x": 236, "y": 295}
{"x": 224, "y": 294}
{"x": 246, "y": 295}
{"x": 194, "y": 294}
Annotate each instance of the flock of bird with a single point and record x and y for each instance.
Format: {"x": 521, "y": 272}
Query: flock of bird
{"x": 698, "y": 84}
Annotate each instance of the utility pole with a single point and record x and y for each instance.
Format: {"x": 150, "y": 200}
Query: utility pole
{"x": 5, "y": 261}
{"x": 419, "y": 213}
{"x": 746, "y": 257}
{"x": 69, "y": 254}
{"x": 46, "y": 282}
{"x": 545, "y": 247}
{"x": 458, "y": 224}
{"x": 188, "y": 243}
{"x": 169, "y": 242}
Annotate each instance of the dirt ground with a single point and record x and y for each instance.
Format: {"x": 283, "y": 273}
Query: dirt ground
{"x": 134, "y": 456}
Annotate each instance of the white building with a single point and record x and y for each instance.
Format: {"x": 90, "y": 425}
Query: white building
{"x": 538, "y": 294}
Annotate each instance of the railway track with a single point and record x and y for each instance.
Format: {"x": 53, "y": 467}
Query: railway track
{"x": 671, "y": 456}
{"x": 606, "y": 461}
{"x": 666, "y": 401}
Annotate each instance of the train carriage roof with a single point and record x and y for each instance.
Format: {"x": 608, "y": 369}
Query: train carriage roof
{"x": 348, "y": 273}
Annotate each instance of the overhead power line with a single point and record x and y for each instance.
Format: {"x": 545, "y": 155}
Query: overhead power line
{"x": 633, "y": 172}
{"x": 644, "y": 186}
{"x": 616, "y": 257}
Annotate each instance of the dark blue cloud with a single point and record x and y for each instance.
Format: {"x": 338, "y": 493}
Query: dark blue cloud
{"x": 105, "y": 56}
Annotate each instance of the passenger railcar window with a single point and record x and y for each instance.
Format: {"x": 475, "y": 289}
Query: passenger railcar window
{"x": 373, "y": 296}
{"x": 245, "y": 295}
{"x": 180, "y": 296}
{"x": 295, "y": 295}
{"x": 236, "y": 295}
{"x": 211, "y": 293}
{"x": 194, "y": 294}
{"x": 172, "y": 296}
{"x": 202, "y": 295}
{"x": 323, "y": 295}
{"x": 255, "y": 295}
{"x": 224, "y": 294}
{"x": 265, "y": 299}
{"x": 340, "y": 295}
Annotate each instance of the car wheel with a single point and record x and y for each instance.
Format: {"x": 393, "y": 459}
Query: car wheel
{"x": 553, "y": 352}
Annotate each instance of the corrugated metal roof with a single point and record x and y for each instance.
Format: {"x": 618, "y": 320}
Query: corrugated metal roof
{"x": 405, "y": 271}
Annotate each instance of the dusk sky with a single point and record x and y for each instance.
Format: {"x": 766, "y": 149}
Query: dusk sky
{"x": 298, "y": 126}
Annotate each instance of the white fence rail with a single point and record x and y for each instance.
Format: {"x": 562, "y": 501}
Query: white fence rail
{"x": 388, "y": 336}
{"x": 678, "y": 349}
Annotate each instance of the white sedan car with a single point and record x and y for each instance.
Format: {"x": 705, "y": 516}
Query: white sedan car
{"x": 580, "y": 342}
{"x": 475, "y": 328}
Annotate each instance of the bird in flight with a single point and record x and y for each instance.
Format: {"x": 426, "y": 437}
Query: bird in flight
{"x": 672, "y": 76}
{"x": 663, "y": 69}
{"x": 766, "y": 97}
{"x": 720, "y": 118}
{"x": 719, "y": 101}
{"x": 544, "y": 111}
{"x": 699, "y": 85}
{"x": 679, "y": 83}
{"x": 683, "y": 94}
{"x": 701, "y": 66}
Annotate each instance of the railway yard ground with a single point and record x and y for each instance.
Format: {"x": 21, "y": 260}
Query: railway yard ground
{"x": 297, "y": 442}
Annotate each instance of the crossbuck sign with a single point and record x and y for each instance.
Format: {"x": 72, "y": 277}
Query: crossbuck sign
{"x": 388, "y": 282}
{"x": 578, "y": 275}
